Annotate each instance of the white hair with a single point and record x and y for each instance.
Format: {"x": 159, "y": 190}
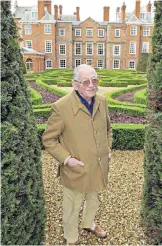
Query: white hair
{"x": 78, "y": 68}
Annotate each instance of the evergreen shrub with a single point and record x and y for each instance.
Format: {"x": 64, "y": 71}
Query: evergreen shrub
{"x": 151, "y": 209}
{"x": 140, "y": 97}
{"x": 22, "y": 198}
{"x": 125, "y": 136}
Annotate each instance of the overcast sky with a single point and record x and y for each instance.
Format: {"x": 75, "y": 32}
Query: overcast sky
{"x": 92, "y": 8}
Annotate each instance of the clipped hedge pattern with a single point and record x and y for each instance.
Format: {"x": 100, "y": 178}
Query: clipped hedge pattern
{"x": 140, "y": 97}
{"x": 125, "y": 136}
{"x": 128, "y": 136}
{"x": 113, "y": 84}
{"x": 110, "y": 96}
{"x": 51, "y": 89}
{"x": 36, "y": 97}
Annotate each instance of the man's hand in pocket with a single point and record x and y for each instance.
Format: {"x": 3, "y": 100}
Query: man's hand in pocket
{"x": 73, "y": 162}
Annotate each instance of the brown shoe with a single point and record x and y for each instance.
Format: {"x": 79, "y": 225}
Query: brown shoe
{"x": 98, "y": 232}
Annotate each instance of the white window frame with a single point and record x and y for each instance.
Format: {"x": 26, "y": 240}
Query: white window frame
{"x": 60, "y": 63}
{"x": 117, "y": 36}
{"x": 145, "y": 48}
{"x": 103, "y": 48}
{"x": 34, "y": 15}
{"x": 115, "y": 50}
{"x": 47, "y": 30}
{"x": 142, "y": 16}
{"x": 62, "y": 49}
{"x": 130, "y": 63}
{"x": 76, "y": 62}
{"x": 27, "y": 41}
{"x": 50, "y": 42}
{"x": 146, "y": 31}
{"x": 60, "y": 30}
{"x": 130, "y": 48}
{"x": 87, "y": 43}
{"x": 48, "y": 60}
{"x": 114, "y": 64}
{"x": 133, "y": 31}
{"x": 101, "y": 30}
{"x": 78, "y": 30}
{"x": 89, "y": 60}
{"x": 98, "y": 63}
{"x": 89, "y": 32}
{"x": 28, "y": 30}
{"x": 75, "y": 44}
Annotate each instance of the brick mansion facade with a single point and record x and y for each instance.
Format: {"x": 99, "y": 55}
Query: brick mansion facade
{"x": 64, "y": 41}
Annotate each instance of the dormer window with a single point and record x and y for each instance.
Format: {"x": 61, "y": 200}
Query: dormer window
{"x": 34, "y": 16}
{"x": 142, "y": 16}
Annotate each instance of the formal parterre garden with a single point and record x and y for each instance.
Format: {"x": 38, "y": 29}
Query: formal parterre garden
{"x": 127, "y": 104}
{"x": 119, "y": 213}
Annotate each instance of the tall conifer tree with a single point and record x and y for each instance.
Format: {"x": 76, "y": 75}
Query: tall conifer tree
{"x": 152, "y": 189}
{"x": 23, "y": 212}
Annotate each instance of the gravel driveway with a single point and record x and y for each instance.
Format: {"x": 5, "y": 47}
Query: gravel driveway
{"x": 119, "y": 213}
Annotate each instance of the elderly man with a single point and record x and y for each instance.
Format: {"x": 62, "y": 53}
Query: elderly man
{"x": 79, "y": 136}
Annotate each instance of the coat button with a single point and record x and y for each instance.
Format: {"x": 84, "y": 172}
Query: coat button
{"x": 98, "y": 145}
{"x": 99, "y": 158}
{"x": 95, "y": 132}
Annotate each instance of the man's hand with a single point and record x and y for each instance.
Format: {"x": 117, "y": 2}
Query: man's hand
{"x": 109, "y": 155}
{"x": 73, "y": 162}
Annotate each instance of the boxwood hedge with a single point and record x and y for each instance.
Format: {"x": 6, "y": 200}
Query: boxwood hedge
{"x": 125, "y": 136}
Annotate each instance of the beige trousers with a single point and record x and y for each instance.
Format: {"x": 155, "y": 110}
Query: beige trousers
{"x": 71, "y": 207}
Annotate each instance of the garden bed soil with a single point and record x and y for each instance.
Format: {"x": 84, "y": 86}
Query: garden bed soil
{"x": 47, "y": 96}
{"x": 126, "y": 97}
{"x": 114, "y": 118}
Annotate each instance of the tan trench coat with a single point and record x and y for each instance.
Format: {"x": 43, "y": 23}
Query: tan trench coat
{"x": 71, "y": 130}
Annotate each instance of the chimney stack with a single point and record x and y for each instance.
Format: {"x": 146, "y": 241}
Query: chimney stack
{"x": 148, "y": 7}
{"x": 60, "y": 9}
{"x": 77, "y": 14}
{"x": 123, "y": 12}
{"x": 47, "y": 4}
{"x": 40, "y": 9}
{"x": 117, "y": 13}
{"x": 137, "y": 9}
{"x": 55, "y": 12}
{"x": 106, "y": 13}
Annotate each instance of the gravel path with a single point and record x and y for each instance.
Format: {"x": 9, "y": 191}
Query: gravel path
{"x": 119, "y": 213}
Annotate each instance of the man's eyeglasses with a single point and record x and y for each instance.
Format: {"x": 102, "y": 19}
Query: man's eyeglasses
{"x": 87, "y": 82}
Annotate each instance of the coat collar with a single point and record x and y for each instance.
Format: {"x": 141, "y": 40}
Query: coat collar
{"x": 76, "y": 104}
